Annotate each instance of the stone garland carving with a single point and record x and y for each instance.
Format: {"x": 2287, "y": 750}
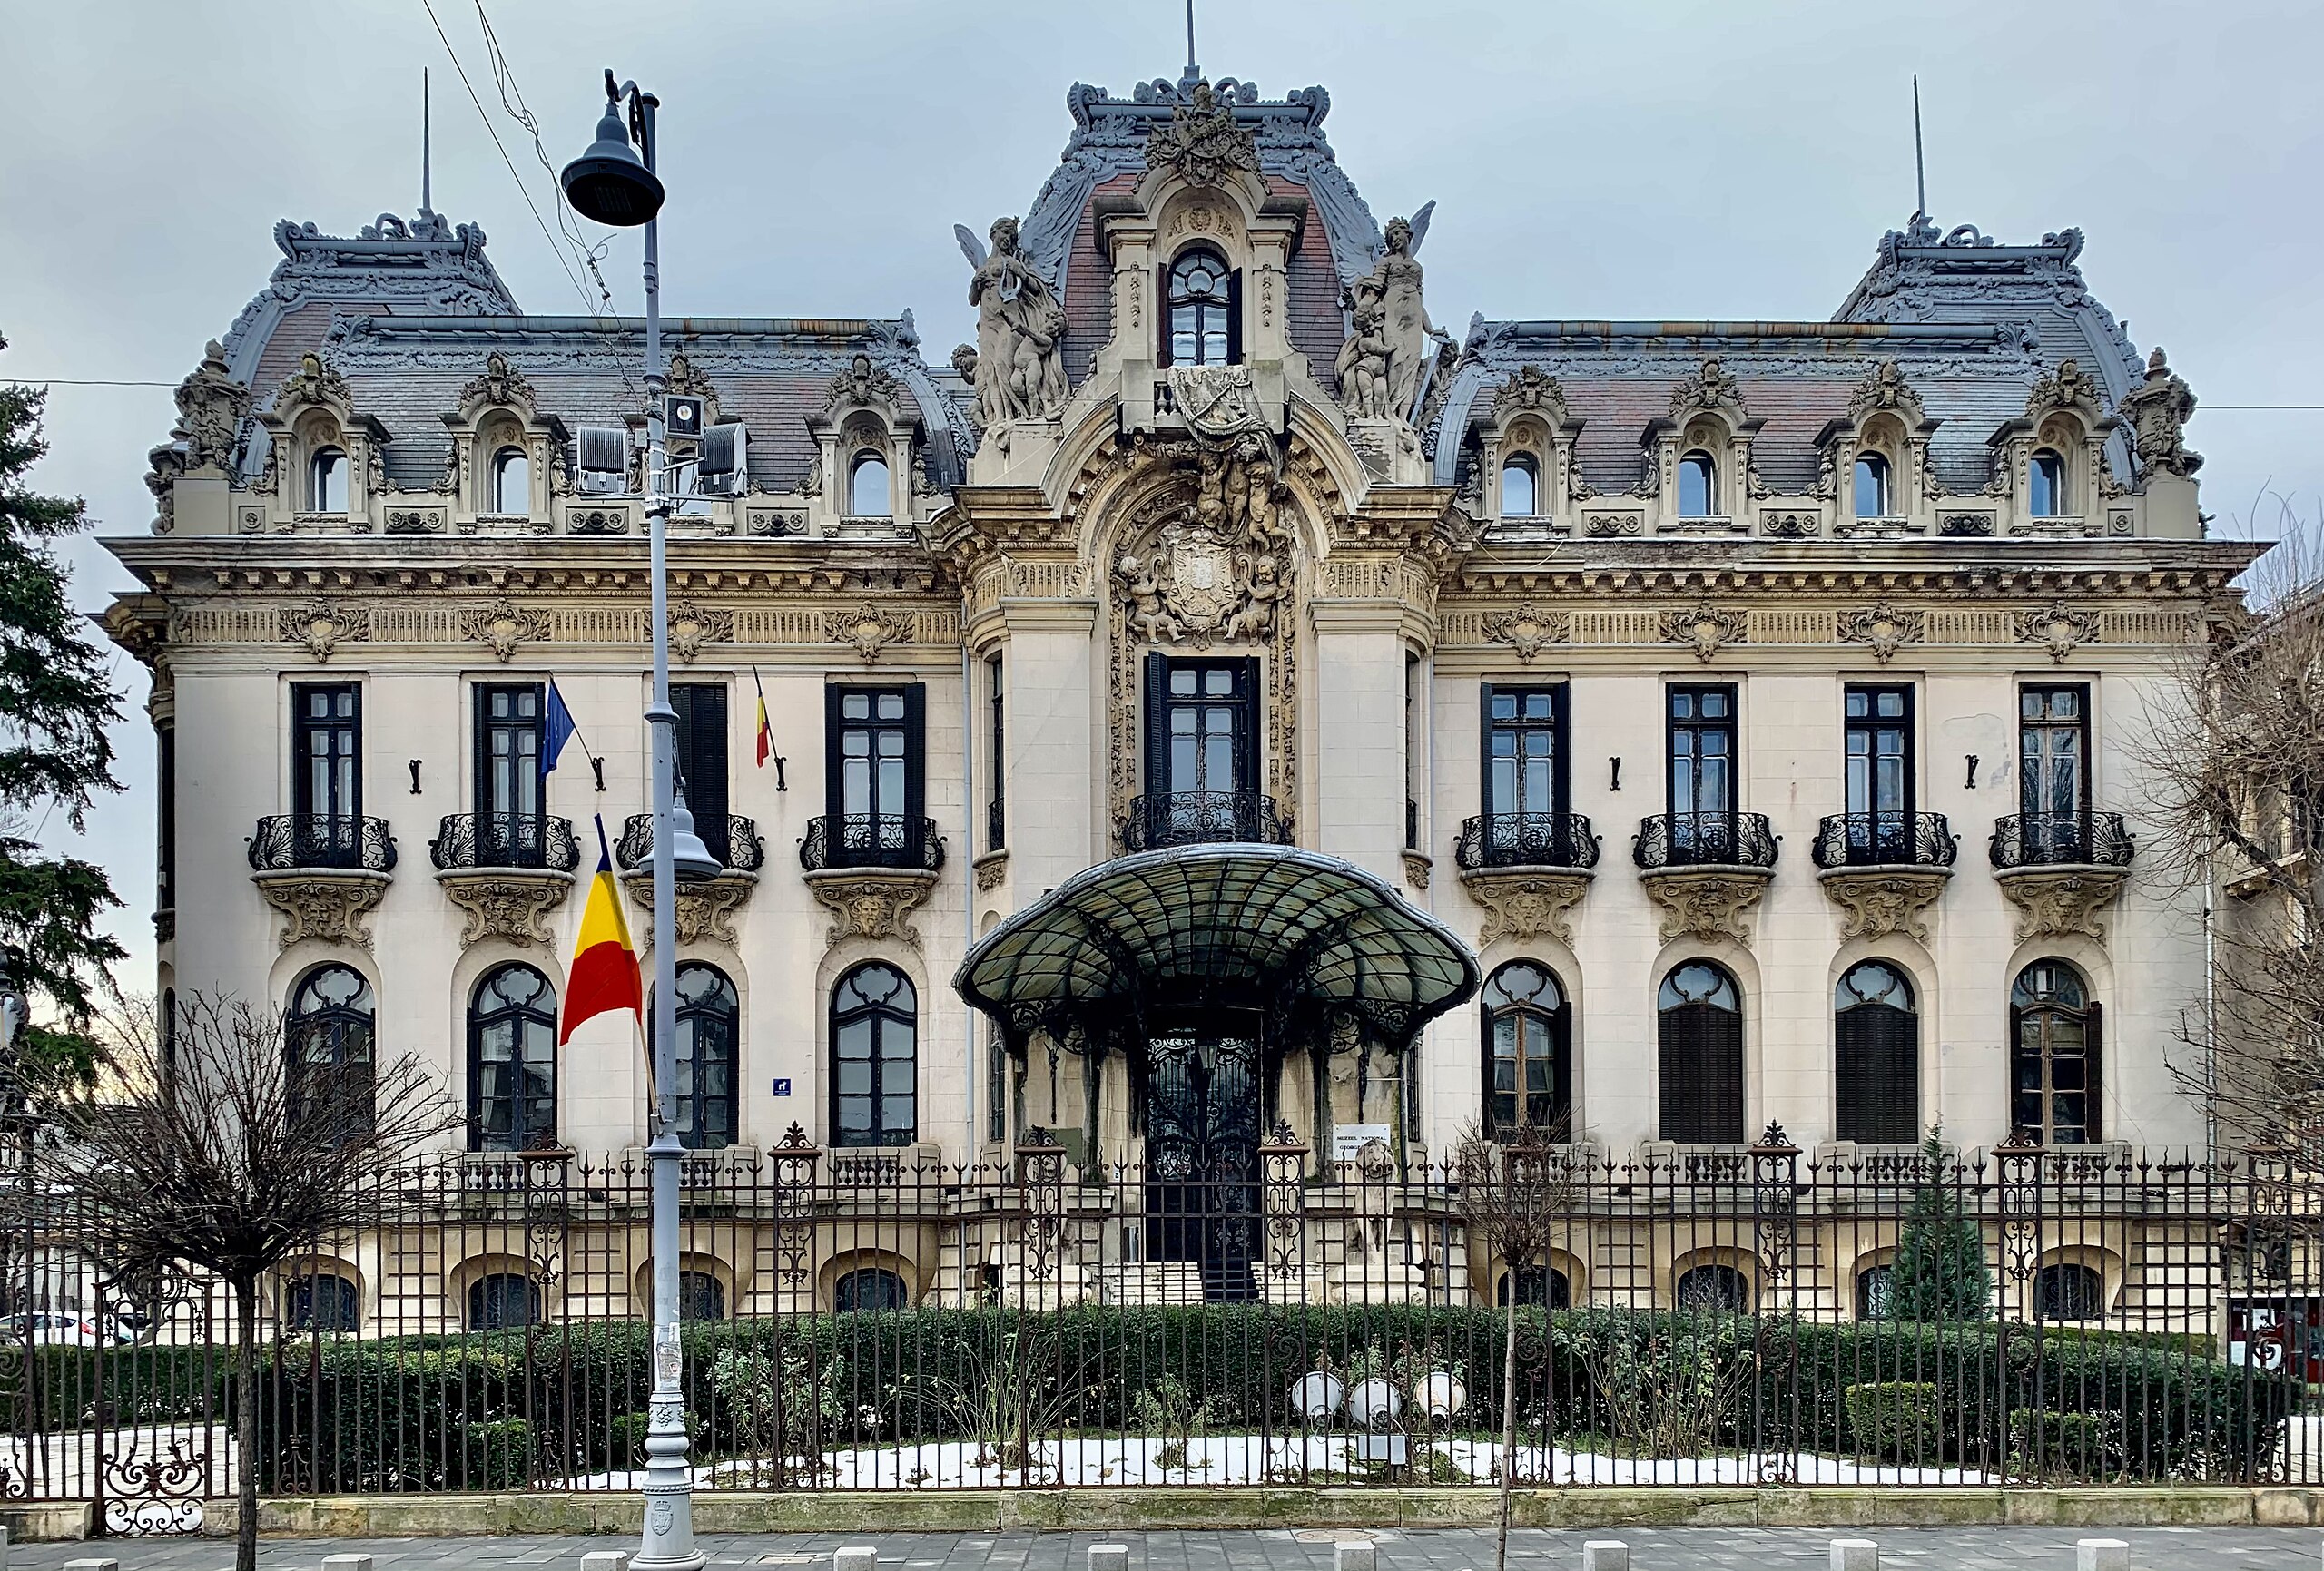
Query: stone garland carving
{"x": 692, "y": 626}
{"x": 869, "y": 629}
{"x": 316, "y": 381}
{"x": 1020, "y": 333}
{"x": 503, "y": 626}
{"x": 873, "y": 906}
{"x": 2058, "y": 627}
{"x": 1526, "y": 904}
{"x": 1706, "y": 904}
{"x": 1876, "y": 904}
{"x": 2056, "y": 903}
{"x": 1886, "y": 388}
{"x": 2158, "y": 410}
{"x": 1707, "y": 629}
{"x": 320, "y": 626}
{"x": 2070, "y": 387}
{"x": 499, "y": 384}
{"x": 497, "y": 906}
{"x": 330, "y": 907}
{"x": 1528, "y": 629}
{"x": 1883, "y": 628}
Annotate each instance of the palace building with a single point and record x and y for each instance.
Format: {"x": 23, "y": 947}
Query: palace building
{"x": 1240, "y": 697}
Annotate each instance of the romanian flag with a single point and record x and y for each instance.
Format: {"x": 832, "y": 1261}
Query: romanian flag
{"x": 603, "y": 976}
{"x": 766, "y": 731}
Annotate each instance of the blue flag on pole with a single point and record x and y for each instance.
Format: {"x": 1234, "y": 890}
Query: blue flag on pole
{"x": 560, "y": 727}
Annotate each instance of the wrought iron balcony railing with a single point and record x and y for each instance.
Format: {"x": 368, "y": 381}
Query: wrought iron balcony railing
{"x": 1713, "y": 839}
{"x": 734, "y": 840}
{"x": 504, "y": 840}
{"x": 290, "y": 842}
{"x": 871, "y": 840}
{"x": 1526, "y": 840}
{"x": 1202, "y": 818}
{"x": 1887, "y": 840}
{"x": 2049, "y": 840}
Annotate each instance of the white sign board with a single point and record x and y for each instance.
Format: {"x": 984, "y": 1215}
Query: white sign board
{"x": 1348, "y": 1140}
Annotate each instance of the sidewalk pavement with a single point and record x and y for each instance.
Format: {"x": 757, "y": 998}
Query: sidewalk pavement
{"x": 1529, "y": 1549}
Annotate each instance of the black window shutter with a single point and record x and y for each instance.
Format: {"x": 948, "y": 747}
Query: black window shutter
{"x": 1234, "y": 318}
{"x": 1701, "y": 1065}
{"x": 1158, "y": 724}
{"x": 2095, "y": 1101}
{"x": 835, "y": 789}
{"x": 1877, "y": 1075}
{"x": 1561, "y": 1126}
{"x": 1486, "y": 805}
{"x": 701, "y": 758}
{"x": 915, "y": 759}
{"x": 1246, "y": 766}
{"x": 1162, "y": 315}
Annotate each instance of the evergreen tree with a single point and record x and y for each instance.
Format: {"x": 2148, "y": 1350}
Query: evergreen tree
{"x": 54, "y": 704}
{"x": 1941, "y": 1272}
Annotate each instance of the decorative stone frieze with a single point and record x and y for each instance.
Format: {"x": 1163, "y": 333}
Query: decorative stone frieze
{"x": 1528, "y": 629}
{"x": 1706, "y": 902}
{"x": 1417, "y": 869}
{"x": 2058, "y": 627}
{"x": 328, "y": 904}
{"x": 506, "y": 903}
{"x": 1706, "y": 628}
{"x": 991, "y": 869}
{"x": 1789, "y": 524}
{"x": 2060, "y": 901}
{"x": 869, "y": 629}
{"x": 703, "y": 911}
{"x": 1526, "y": 902}
{"x": 503, "y": 626}
{"x": 1883, "y": 628}
{"x": 415, "y": 520}
{"x": 1875, "y": 901}
{"x": 875, "y": 903}
{"x": 1613, "y": 525}
{"x": 320, "y": 626}
{"x": 692, "y": 626}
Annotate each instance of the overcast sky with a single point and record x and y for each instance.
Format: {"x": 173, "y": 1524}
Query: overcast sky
{"x": 1629, "y": 159}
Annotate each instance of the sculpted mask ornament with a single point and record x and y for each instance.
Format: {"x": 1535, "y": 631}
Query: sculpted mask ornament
{"x": 692, "y": 626}
{"x": 869, "y": 628}
{"x": 2158, "y": 410}
{"x": 316, "y": 381}
{"x": 1531, "y": 390}
{"x": 2071, "y": 387}
{"x": 499, "y": 384}
{"x": 1021, "y": 330}
{"x": 1389, "y": 297}
{"x": 1886, "y": 388}
{"x": 1709, "y": 388}
{"x": 319, "y": 627}
{"x": 1202, "y": 143}
{"x": 1707, "y": 629}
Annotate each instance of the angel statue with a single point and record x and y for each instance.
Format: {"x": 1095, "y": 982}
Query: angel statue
{"x": 1392, "y": 288}
{"x": 1020, "y": 359}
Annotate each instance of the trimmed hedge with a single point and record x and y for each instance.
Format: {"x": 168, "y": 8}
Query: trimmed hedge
{"x": 370, "y": 1417}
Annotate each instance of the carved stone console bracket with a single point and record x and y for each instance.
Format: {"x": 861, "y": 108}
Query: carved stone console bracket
{"x": 1875, "y": 901}
{"x": 511, "y": 903}
{"x": 1527, "y": 902}
{"x": 2059, "y": 900}
{"x": 329, "y": 904}
{"x": 1706, "y": 902}
{"x": 1417, "y": 867}
{"x": 704, "y": 911}
{"x": 990, "y": 868}
{"x": 871, "y": 902}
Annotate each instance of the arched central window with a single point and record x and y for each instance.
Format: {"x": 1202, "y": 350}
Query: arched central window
{"x": 1700, "y": 1031}
{"x": 1520, "y": 488}
{"x": 2054, "y": 1054}
{"x": 328, "y": 1037}
{"x": 875, "y": 1068}
{"x": 1715, "y": 1290}
{"x": 2069, "y": 1292}
{"x": 1528, "y": 1052}
{"x": 700, "y": 1296}
{"x": 709, "y": 1023}
{"x": 327, "y": 481}
{"x": 869, "y": 1287}
{"x": 1872, "y": 487}
{"x": 503, "y": 1301}
{"x": 320, "y": 1301}
{"x": 1876, "y": 1034}
{"x": 1538, "y": 1283}
{"x": 867, "y": 487}
{"x": 2046, "y": 477}
{"x": 512, "y": 1061}
{"x": 1202, "y": 312}
{"x": 1696, "y": 489}
{"x": 512, "y": 484}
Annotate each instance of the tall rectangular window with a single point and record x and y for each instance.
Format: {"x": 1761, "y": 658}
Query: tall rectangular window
{"x": 508, "y": 717}
{"x": 1525, "y": 768}
{"x": 165, "y": 872}
{"x": 1702, "y": 770}
{"x": 996, "y": 818}
{"x": 702, "y": 762}
{"x": 327, "y": 751}
{"x": 1201, "y": 726}
{"x": 1878, "y": 742}
{"x": 2054, "y": 768}
{"x": 874, "y": 774}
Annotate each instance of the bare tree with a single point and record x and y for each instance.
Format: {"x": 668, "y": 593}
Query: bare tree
{"x": 1515, "y": 1196}
{"x": 207, "y": 1144}
{"x": 2236, "y": 748}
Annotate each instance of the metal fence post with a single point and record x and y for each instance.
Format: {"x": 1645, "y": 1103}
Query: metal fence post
{"x": 2020, "y": 1160}
{"x": 1775, "y": 1219}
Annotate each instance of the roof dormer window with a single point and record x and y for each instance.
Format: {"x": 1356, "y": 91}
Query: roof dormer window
{"x": 1696, "y": 486}
{"x": 1872, "y": 487}
{"x": 1202, "y": 311}
{"x": 327, "y": 481}
{"x": 1520, "y": 493}
{"x": 867, "y": 487}
{"x": 511, "y": 483}
{"x": 2046, "y": 489}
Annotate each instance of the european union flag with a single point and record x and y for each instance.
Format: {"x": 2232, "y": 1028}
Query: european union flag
{"x": 560, "y": 727}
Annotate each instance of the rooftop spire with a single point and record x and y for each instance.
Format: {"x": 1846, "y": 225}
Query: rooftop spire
{"x": 427, "y": 204}
{"x": 1920, "y": 171}
{"x": 1194, "y": 72}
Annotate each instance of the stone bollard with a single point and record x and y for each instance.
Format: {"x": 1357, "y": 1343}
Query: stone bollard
{"x": 595, "y": 1560}
{"x": 2102, "y": 1555}
{"x": 347, "y": 1563}
{"x": 1345, "y": 1556}
{"x": 1108, "y": 1557}
{"x": 860, "y": 1558}
{"x": 1855, "y": 1554}
{"x": 1605, "y": 1554}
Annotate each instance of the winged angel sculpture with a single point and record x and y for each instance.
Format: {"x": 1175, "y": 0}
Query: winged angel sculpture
{"x": 1021, "y": 330}
{"x": 1383, "y": 364}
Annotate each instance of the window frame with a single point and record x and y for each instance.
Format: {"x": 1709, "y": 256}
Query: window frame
{"x": 1880, "y": 841}
{"x": 337, "y": 1021}
{"x": 843, "y": 1286}
{"x": 2046, "y": 467}
{"x": 886, "y": 1016}
{"x": 1710, "y": 464}
{"x": 522, "y": 842}
{"x": 1556, "y": 1029}
{"x": 1555, "y": 727}
{"x": 1695, "y": 727}
{"x": 320, "y": 478}
{"x": 857, "y": 462}
{"x": 2030, "y": 1007}
{"x": 1227, "y": 302}
{"x": 705, "y": 762}
{"x": 479, "y": 1296}
{"x": 301, "y": 1293}
{"x": 497, "y": 478}
{"x": 1716, "y": 1110}
{"x": 1860, "y": 1112}
{"x": 1246, "y": 741}
{"x": 304, "y": 728}
{"x": 2052, "y": 1302}
{"x": 866, "y": 844}
{"x": 694, "y": 1131}
{"x": 996, "y": 768}
{"x": 1883, "y": 479}
{"x": 1526, "y": 464}
{"x": 524, "y": 1019}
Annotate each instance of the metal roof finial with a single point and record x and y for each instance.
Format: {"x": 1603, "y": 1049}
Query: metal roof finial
{"x": 1194, "y": 72}
{"x": 426, "y": 152}
{"x": 1920, "y": 170}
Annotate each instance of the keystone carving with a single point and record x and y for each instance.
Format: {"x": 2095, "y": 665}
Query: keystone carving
{"x": 319, "y": 627}
{"x": 1528, "y": 629}
{"x": 2060, "y": 901}
{"x": 2158, "y": 411}
{"x": 2058, "y": 627}
{"x": 328, "y": 906}
{"x": 316, "y": 381}
{"x": 1876, "y": 903}
{"x": 1883, "y": 628}
{"x": 1706, "y": 628}
{"x": 1704, "y": 902}
{"x": 871, "y": 904}
{"x": 504, "y": 626}
{"x": 2071, "y": 388}
{"x": 1526, "y": 902}
{"x": 501, "y": 385}
{"x": 869, "y": 628}
{"x": 1529, "y": 390}
{"x": 1709, "y": 388}
{"x": 501, "y": 905}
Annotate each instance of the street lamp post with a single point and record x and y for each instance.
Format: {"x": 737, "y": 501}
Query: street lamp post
{"x": 610, "y": 185}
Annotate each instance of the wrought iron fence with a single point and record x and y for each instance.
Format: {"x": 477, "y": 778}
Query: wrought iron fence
{"x": 1527, "y": 841}
{"x": 871, "y": 841}
{"x": 1704, "y": 839}
{"x": 1752, "y": 1315}
{"x": 1163, "y": 819}
{"x": 1884, "y": 840}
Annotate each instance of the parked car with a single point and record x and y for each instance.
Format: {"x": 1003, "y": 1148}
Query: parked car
{"x": 59, "y": 1328}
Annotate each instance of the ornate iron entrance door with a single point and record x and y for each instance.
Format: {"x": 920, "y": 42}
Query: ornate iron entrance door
{"x": 1202, "y": 1158}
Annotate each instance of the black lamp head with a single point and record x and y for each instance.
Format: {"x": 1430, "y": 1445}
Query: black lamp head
{"x": 610, "y": 183}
